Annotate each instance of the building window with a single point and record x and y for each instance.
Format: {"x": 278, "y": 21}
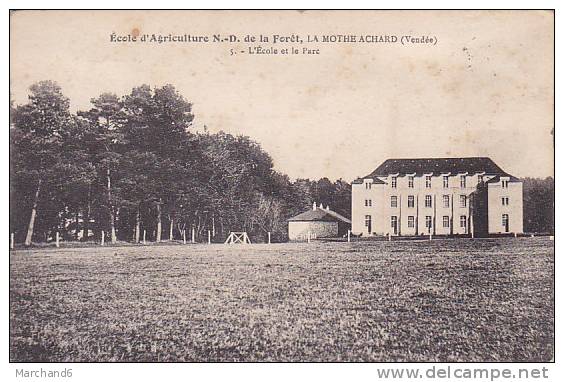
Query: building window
{"x": 428, "y": 201}
{"x": 505, "y": 222}
{"x": 368, "y": 202}
{"x": 463, "y": 201}
{"x": 446, "y": 201}
{"x": 394, "y": 225}
{"x": 504, "y": 183}
{"x": 446, "y": 221}
{"x": 394, "y": 181}
{"x": 410, "y": 181}
{"x": 505, "y": 200}
{"x": 445, "y": 181}
{"x": 480, "y": 178}
{"x": 394, "y": 201}
{"x": 428, "y": 222}
{"x": 368, "y": 186}
{"x": 462, "y": 221}
{"x": 411, "y": 221}
{"x": 462, "y": 181}
{"x": 428, "y": 181}
{"x": 410, "y": 201}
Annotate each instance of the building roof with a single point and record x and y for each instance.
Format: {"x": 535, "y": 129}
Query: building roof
{"x": 374, "y": 181}
{"x": 495, "y": 179}
{"x": 437, "y": 166}
{"x": 319, "y": 214}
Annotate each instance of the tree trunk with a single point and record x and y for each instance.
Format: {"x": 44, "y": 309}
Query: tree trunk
{"x": 86, "y": 218}
{"x": 77, "y": 229}
{"x": 137, "y": 224}
{"x": 29, "y": 234}
{"x": 159, "y": 221}
{"x": 111, "y": 207}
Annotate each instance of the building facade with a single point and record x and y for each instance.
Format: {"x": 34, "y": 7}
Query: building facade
{"x": 438, "y": 196}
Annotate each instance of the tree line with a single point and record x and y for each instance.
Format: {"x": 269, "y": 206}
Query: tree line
{"x": 134, "y": 164}
{"x": 538, "y": 205}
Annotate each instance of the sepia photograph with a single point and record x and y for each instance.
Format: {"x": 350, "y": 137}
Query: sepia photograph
{"x": 282, "y": 186}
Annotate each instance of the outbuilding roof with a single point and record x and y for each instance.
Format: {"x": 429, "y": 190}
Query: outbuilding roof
{"x": 319, "y": 214}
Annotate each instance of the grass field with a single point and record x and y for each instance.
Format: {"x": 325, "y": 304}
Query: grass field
{"x": 444, "y": 300}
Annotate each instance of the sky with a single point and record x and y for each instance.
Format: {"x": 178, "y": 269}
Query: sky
{"x": 484, "y": 89}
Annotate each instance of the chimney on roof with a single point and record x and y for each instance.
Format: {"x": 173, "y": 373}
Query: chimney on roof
{"x": 314, "y": 206}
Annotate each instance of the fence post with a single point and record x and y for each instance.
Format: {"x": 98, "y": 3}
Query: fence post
{"x": 184, "y": 236}
{"x": 57, "y": 239}
{"x": 389, "y": 236}
{"x": 349, "y": 236}
{"x": 209, "y": 236}
{"x": 269, "y": 238}
{"x": 430, "y": 236}
{"x": 103, "y": 237}
{"x": 308, "y": 236}
{"x": 12, "y": 240}
{"x": 193, "y": 236}
{"x": 144, "y": 236}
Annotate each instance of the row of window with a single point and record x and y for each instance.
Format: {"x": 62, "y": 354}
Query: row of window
{"x": 428, "y": 221}
{"x": 463, "y": 201}
{"x": 428, "y": 183}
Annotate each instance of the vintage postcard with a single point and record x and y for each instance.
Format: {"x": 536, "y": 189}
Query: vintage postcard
{"x": 282, "y": 186}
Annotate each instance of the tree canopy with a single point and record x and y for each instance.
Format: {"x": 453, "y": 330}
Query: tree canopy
{"x": 132, "y": 164}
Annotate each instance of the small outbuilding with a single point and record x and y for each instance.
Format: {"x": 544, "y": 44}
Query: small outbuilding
{"x": 318, "y": 222}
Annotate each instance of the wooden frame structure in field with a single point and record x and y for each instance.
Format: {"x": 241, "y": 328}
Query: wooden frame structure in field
{"x": 238, "y": 238}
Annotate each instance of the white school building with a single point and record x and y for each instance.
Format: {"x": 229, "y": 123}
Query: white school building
{"x": 439, "y": 196}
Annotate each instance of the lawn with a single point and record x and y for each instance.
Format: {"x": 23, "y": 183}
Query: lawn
{"x": 443, "y": 300}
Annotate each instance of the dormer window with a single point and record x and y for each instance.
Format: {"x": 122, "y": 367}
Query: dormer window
{"x": 428, "y": 181}
{"x": 445, "y": 181}
{"x": 504, "y": 183}
{"x": 410, "y": 181}
{"x": 368, "y": 186}
{"x": 462, "y": 181}
{"x": 394, "y": 181}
